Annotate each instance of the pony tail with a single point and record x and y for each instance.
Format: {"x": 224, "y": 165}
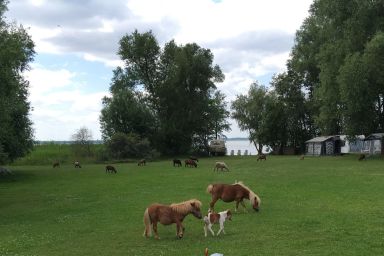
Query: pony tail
{"x": 147, "y": 224}
{"x": 209, "y": 188}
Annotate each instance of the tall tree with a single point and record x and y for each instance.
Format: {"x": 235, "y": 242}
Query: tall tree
{"x": 250, "y": 112}
{"x": 178, "y": 83}
{"x": 127, "y": 110}
{"x": 326, "y": 50}
{"x": 16, "y": 51}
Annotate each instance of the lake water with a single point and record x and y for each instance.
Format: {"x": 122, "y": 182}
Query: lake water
{"x": 241, "y": 145}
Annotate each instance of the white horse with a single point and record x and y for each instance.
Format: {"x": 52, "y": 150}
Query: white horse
{"x": 220, "y": 165}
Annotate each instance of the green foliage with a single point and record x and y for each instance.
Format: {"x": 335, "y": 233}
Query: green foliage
{"x": 46, "y": 154}
{"x": 318, "y": 206}
{"x": 122, "y": 146}
{"x": 258, "y": 112}
{"x": 16, "y": 51}
{"x": 166, "y": 95}
{"x": 126, "y": 112}
{"x": 324, "y": 58}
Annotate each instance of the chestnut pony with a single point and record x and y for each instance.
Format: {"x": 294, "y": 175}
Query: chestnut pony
{"x": 169, "y": 214}
{"x": 233, "y": 192}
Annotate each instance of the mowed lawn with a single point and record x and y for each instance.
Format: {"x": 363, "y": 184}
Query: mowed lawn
{"x": 315, "y": 206}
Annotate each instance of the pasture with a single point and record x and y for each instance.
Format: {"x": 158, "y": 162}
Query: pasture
{"x": 315, "y": 206}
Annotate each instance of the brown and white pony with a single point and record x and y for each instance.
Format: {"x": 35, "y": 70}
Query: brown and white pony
{"x": 169, "y": 214}
{"x": 233, "y": 192}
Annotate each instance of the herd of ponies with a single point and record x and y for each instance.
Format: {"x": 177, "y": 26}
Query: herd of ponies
{"x": 175, "y": 213}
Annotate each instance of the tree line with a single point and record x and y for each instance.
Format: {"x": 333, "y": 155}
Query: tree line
{"x": 166, "y": 99}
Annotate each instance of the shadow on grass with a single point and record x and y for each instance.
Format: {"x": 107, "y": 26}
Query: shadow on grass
{"x": 16, "y": 176}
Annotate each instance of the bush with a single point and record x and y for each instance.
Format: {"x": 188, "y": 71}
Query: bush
{"x": 128, "y": 145}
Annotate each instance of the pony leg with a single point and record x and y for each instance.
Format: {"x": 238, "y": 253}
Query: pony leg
{"x": 154, "y": 226}
{"x": 212, "y": 203}
{"x": 205, "y": 230}
{"x": 179, "y": 230}
{"x": 237, "y": 205}
{"x": 210, "y": 229}
{"x": 221, "y": 228}
{"x": 243, "y": 204}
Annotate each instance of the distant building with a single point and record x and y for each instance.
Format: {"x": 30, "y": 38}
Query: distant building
{"x": 323, "y": 145}
{"x": 373, "y": 144}
{"x": 351, "y": 145}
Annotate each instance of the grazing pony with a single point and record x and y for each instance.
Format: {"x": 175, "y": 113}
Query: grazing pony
{"x": 176, "y": 162}
{"x": 220, "y": 165}
{"x": 190, "y": 163}
{"x": 56, "y": 164}
{"x": 233, "y": 192}
{"x": 110, "y": 169}
{"x": 169, "y": 214}
{"x": 141, "y": 162}
{"x": 77, "y": 164}
{"x": 262, "y": 157}
{"x": 213, "y": 218}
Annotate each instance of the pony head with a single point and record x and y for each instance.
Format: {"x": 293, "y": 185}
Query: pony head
{"x": 196, "y": 209}
{"x": 256, "y": 203}
{"x": 229, "y": 215}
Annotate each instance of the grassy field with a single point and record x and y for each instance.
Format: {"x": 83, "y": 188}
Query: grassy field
{"x": 315, "y": 206}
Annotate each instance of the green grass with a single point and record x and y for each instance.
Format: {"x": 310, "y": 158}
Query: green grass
{"x": 318, "y": 206}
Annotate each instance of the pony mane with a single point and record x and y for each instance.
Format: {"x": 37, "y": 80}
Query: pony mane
{"x": 252, "y": 195}
{"x": 185, "y": 207}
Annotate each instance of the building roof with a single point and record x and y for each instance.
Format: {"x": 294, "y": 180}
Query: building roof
{"x": 320, "y": 139}
{"x": 374, "y": 136}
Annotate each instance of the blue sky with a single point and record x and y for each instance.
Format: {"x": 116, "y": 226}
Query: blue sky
{"x": 76, "y": 45}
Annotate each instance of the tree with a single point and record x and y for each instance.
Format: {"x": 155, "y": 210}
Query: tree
{"x": 16, "y": 51}
{"x": 123, "y": 146}
{"x": 82, "y": 141}
{"x": 249, "y": 111}
{"x": 324, "y": 56}
{"x": 176, "y": 84}
{"x": 298, "y": 124}
{"x": 126, "y": 111}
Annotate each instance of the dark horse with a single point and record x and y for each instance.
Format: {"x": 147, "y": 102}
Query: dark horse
{"x": 177, "y": 162}
{"x": 56, "y": 164}
{"x": 233, "y": 192}
{"x": 190, "y": 163}
{"x": 141, "y": 162}
{"x": 169, "y": 214}
{"x": 262, "y": 157}
{"x": 110, "y": 168}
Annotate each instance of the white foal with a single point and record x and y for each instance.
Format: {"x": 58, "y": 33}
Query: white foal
{"x": 213, "y": 218}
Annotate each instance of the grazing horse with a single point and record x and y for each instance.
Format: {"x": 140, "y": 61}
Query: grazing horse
{"x": 169, "y": 214}
{"x": 110, "y": 169}
{"x": 56, "y": 164}
{"x": 77, "y": 164}
{"x": 220, "y": 165}
{"x": 190, "y": 163}
{"x": 233, "y": 192}
{"x": 141, "y": 162}
{"x": 176, "y": 162}
{"x": 262, "y": 157}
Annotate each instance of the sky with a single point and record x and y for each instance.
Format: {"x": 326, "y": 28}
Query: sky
{"x": 76, "y": 44}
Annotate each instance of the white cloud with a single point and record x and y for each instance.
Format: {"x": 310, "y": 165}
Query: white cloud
{"x": 250, "y": 39}
{"x": 61, "y": 105}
